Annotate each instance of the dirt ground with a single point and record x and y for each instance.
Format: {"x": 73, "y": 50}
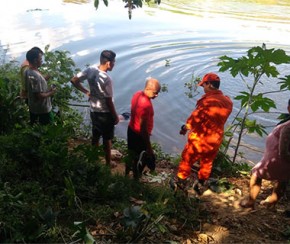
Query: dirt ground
{"x": 229, "y": 222}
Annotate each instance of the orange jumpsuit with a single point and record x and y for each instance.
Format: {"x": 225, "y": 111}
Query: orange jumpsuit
{"x": 206, "y": 130}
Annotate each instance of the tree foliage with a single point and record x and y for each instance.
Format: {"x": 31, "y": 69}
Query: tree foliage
{"x": 130, "y": 4}
{"x": 259, "y": 63}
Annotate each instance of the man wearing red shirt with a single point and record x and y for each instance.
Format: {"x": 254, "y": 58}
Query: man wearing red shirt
{"x": 140, "y": 128}
{"x": 206, "y": 129}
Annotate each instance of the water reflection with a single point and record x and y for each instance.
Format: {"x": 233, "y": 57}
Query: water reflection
{"x": 192, "y": 34}
{"x": 262, "y": 10}
{"x": 77, "y": 1}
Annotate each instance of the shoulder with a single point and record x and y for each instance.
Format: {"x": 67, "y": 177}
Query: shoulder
{"x": 285, "y": 133}
{"x": 31, "y": 73}
{"x": 24, "y": 68}
{"x": 282, "y": 129}
{"x": 141, "y": 97}
{"x": 136, "y": 95}
{"x": 285, "y": 126}
{"x": 88, "y": 70}
{"x": 146, "y": 102}
{"x": 104, "y": 75}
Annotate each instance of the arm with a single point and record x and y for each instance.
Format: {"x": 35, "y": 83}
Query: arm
{"x": 189, "y": 123}
{"x": 198, "y": 116}
{"x": 77, "y": 84}
{"x": 112, "y": 109}
{"x": 49, "y": 93}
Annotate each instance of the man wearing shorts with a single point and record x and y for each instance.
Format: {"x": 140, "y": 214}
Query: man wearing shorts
{"x": 102, "y": 109}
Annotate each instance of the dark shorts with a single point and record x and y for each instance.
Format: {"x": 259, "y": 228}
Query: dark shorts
{"x": 43, "y": 119}
{"x": 136, "y": 142}
{"x": 136, "y": 145}
{"x": 103, "y": 125}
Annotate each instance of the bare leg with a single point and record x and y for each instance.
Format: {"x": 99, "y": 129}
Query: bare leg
{"x": 278, "y": 191}
{"x": 107, "y": 149}
{"x": 255, "y": 187}
{"x": 129, "y": 161}
{"x": 95, "y": 138}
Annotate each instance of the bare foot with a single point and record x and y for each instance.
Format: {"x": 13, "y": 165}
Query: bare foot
{"x": 268, "y": 203}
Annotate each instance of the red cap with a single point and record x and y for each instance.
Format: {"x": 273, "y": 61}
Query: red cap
{"x": 209, "y": 78}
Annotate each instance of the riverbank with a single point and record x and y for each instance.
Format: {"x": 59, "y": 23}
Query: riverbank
{"x": 221, "y": 219}
{"x": 226, "y": 221}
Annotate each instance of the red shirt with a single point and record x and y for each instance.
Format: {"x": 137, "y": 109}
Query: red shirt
{"x": 141, "y": 108}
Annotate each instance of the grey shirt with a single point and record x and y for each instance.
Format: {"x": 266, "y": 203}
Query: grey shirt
{"x": 101, "y": 87}
{"x": 35, "y": 83}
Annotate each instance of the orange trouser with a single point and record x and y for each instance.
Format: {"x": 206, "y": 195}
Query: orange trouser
{"x": 190, "y": 155}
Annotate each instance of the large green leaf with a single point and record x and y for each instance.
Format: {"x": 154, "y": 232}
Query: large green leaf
{"x": 260, "y": 102}
{"x": 244, "y": 98}
{"x": 253, "y": 127}
{"x": 285, "y": 83}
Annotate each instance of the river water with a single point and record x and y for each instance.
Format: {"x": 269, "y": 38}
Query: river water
{"x": 172, "y": 41}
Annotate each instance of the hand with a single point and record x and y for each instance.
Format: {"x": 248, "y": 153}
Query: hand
{"x": 88, "y": 94}
{"x": 116, "y": 120}
{"x": 183, "y": 130}
{"x": 53, "y": 89}
{"x": 47, "y": 77}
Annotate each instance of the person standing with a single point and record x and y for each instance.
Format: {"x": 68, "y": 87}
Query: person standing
{"x": 38, "y": 93}
{"x": 24, "y": 66}
{"x": 274, "y": 166}
{"x": 140, "y": 129}
{"x": 205, "y": 127}
{"x": 103, "y": 113}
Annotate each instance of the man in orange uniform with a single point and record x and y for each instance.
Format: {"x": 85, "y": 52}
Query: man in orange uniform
{"x": 206, "y": 130}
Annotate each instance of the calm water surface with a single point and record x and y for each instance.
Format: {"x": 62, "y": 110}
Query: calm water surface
{"x": 191, "y": 35}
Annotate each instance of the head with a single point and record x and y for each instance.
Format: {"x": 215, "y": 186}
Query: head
{"x": 107, "y": 59}
{"x": 152, "y": 87}
{"x": 34, "y": 57}
{"x": 209, "y": 82}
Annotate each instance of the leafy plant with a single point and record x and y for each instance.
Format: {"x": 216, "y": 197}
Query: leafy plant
{"x": 137, "y": 222}
{"x": 14, "y": 112}
{"x": 82, "y": 233}
{"x": 252, "y": 69}
{"x": 70, "y": 191}
{"x": 60, "y": 68}
{"x": 192, "y": 86}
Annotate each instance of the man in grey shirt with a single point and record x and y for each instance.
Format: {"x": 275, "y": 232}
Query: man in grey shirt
{"x": 103, "y": 112}
{"x": 38, "y": 93}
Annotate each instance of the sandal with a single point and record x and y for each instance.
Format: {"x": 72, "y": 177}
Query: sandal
{"x": 245, "y": 203}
